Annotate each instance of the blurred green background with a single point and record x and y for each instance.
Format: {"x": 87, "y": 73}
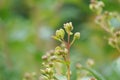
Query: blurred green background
{"x": 26, "y": 27}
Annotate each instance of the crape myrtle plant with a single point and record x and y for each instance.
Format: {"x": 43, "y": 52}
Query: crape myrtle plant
{"x": 109, "y": 21}
{"x": 54, "y": 60}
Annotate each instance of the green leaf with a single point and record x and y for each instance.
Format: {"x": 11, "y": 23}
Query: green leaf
{"x": 61, "y": 77}
{"x": 97, "y": 75}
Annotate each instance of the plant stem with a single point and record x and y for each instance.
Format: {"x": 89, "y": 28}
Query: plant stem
{"x": 68, "y": 57}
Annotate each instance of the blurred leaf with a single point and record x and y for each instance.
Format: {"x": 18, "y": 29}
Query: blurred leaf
{"x": 60, "y": 77}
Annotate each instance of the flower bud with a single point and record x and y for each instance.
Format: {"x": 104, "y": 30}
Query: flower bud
{"x": 77, "y": 35}
{"x": 49, "y": 70}
{"x": 68, "y": 27}
{"x": 63, "y": 45}
{"x": 101, "y": 4}
{"x": 51, "y": 64}
{"x": 43, "y": 78}
{"x": 92, "y": 78}
{"x": 44, "y": 57}
{"x": 97, "y": 6}
{"x": 65, "y": 51}
{"x": 42, "y": 71}
{"x": 117, "y": 34}
{"x": 43, "y": 63}
{"x": 27, "y": 76}
{"x": 90, "y": 62}
{"x": 60, "y": 33}
{"x": 58, "y": 48}
{"x": 78, "y": 66}
{"x": 51, "y": 52}
{"x": 112, "y": 42}
{"x": 53, "y": 58}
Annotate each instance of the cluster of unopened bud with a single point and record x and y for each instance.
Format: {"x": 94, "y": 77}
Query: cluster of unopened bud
{"x": 49, "y": 59}
{"x": 68, "y": 27}
{"x": 48, "y": 64}
{"x": 104, "y": 19}
{"x": 96, "y": 6}
{"x": 60, "y": 53}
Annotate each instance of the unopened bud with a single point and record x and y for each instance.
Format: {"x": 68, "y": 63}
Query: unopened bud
{"x": 92, "y": 78}
{"x": 101, "y": 4}
{"x": 77, "y": 35}
{"x": 51, "y": 64}
{"x": 58, "y": 48}
{"x": 53, "y": 58}
{"x": 65, "y": 51}
{"x": 63, "y": 45}
{"x": 43, "y": 78}
{"x": 60, "y": 33}
{"x": 112, "y": 42}
{"x": 90, "y": 62}
{"x": 78, "y": 66}
{"x": 68, "y": 27}
{"x": 42, "y": 71}
{"x": 49, "y": 70}
{"x": 27, "y": 76}
{"x": 44, "y": 57}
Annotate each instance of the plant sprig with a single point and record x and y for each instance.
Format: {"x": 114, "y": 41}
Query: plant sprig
{"x": 60, "y": 54}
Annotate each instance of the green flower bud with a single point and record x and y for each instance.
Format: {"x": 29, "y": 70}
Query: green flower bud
{"x": 58, "y": 48}
{"x": 97, "y": 6}
{"x": 90, "y": 62}
{"x": 44, "y": 57}
{"x": 63, "y": 45}
{"x": 49, "y": 71}
{"x": 101, "y": 4}
{"x": 51, "y": 64}
{"x": 27, "y": 76}
{"x": 68, "y": 27}
{"x": 92, "y": 78}
{"x": 43, "y": 78}
{"x": 65, "y": 51}
{"x": 60, "y": 33}
{"x": 78, "y": 66}
{"x": 42, "y": 71}
{"x": 43, "y": 63}
{"x": 53, "y": 58}
{"x": 77, "y": 35}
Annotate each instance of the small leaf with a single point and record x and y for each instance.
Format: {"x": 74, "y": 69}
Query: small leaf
{"x": 97, "y": 75}
{"x": 61, "y": 77}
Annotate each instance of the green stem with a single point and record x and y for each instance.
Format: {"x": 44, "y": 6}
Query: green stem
{"x": 68, "y": 57}
{"x": 72, "y": 41}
